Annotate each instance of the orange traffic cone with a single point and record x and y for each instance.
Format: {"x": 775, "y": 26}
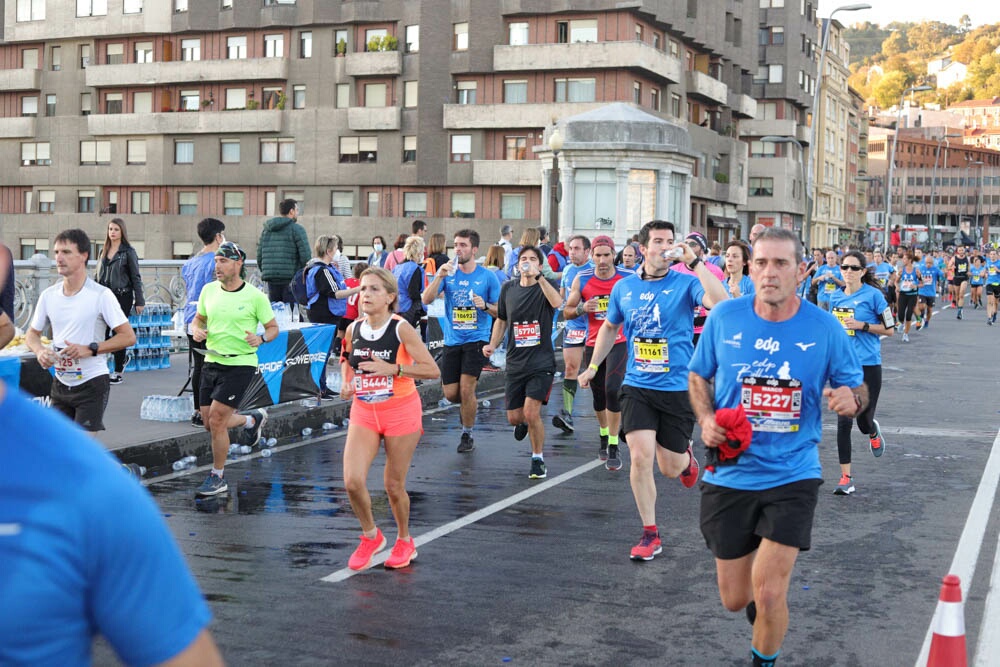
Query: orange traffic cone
{"x": 948, "y": 642}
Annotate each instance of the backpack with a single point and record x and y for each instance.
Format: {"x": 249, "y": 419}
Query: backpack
{"x": 404, "y": 273}
{"x": 298, "y": 285}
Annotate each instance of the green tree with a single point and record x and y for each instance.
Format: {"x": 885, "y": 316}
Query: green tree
{"x": 983, "y": 76}
{"x": 894, "y": 44}
{"x": 889, "y": 89}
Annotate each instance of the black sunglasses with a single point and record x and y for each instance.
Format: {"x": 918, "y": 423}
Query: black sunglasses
{"x": 851, "y": 267}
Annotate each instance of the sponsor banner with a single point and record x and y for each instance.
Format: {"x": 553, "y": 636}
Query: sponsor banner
{"x": 289, "y": 367}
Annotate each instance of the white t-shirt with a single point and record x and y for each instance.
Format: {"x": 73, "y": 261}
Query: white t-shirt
{"x": 82, "y": 319}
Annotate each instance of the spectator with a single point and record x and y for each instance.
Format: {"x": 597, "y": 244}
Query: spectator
{"x": 506, "y": 235}
{"x": 756, "y": 231}
{"x": 377, "y": 258}
{"x": 282, "y": 250}
{"x": 339, "y": 258}
{"x": 494, "y": 261}
{"x": 7, "y": 292}
{"x": 396, "y": 256}
{"x": 419, "y": 228}
{"x": 895, "y": 238}
{"x": 436, "y": 253}
{"x": 529, "y": 237}
{"x": 118, "y": 270}
{"x": 558, "y": 258}
{"x": 715, "y": 255}
{"x": 543, "y": 240}
{"x": 410, "y": 280}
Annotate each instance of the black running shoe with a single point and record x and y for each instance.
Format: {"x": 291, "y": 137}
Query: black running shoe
{"x": 251, "y": 436}
{"x": 602, "y": 453}
{"x": 614, "y": 461}
{"x": 520, "y": 431}
{"x": 466, "y": 444}
{"x": 196, "y": 420}
{"x": 564, "y": 421}
{"x": 537, "y": 469}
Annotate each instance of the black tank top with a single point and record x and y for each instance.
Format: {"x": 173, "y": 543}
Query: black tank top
{"x": 386, "y": 347}
{"x": 961, "y": 267}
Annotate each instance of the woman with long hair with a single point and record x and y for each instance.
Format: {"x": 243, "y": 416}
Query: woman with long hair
{"x": 907, "y": 284}
{"x": 737, "y": 269}
{"x": 382, "y": 357}
{"x": 396, "y": 256}
{"x": 410, "y": 280}
{"x": 118, "y": 270}
{"x": 494, "y": 261}
{"x": 863, "y": 311}
{"x": 437, "y": 250}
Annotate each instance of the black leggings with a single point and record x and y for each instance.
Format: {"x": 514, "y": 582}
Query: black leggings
{"x": 125, "y": 301}
{"x": 197, "y": 361}
{"x": 905, "y": 307}
{"x": 607, "y": 381}
{"x": 873, "y": 378}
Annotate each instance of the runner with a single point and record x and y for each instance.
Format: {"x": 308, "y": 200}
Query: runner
{"x": 470, "y": 302}
{"x": 908, "y": 279}
{"x": 382, "y": 356}
{"x": 809, "y": 289}
{"x": 696, "y": 241}
{"x": 992, "y": 286}
{"x": 883, "y": 271}
{"x": 654, "y": 308}
{"x": 863, "y": 311}
{"x": 589, "y": 296}
{"x": 929, "y": 279}
{"x": 827, "y": 279}
{"x": 977, "y": 278}
{"x": 574, "y": 334}
{"x": 960, "y": 264}
{"x": 79, "y": 311}
{"x": 737, "y": 282}
{"x": 229, "y": 311}
{"x": 772, "y": 350}
{"x": 529, "y": 304}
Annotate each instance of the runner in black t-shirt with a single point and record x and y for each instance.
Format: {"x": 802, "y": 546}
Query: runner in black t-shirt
{"x": 528, "y": 305}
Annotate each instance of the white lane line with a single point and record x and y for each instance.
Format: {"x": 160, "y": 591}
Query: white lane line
{"x": 971, "y": 541}
{"x": 925, "y": 432}
{"x": 441, "y": 531}
{"x": 988, "y": 646}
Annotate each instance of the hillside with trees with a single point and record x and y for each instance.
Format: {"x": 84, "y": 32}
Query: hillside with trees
{"x": 888, "y": 60}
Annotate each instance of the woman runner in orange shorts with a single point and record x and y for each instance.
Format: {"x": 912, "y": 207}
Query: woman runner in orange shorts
{"x": 382, "y": 356}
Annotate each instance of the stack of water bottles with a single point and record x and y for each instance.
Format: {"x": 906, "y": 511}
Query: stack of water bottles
{"x": 152, "y": 348}
{"x": 167, "y": 408}
{"x": 284, "y": 316}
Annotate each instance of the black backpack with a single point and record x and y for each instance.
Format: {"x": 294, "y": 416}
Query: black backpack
{"x": 298, "y": 286}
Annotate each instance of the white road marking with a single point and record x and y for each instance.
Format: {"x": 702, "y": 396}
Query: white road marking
{"x": 441, "y": 531}
{"x": 919, "y": 432}
{"x": 967, "y": 554}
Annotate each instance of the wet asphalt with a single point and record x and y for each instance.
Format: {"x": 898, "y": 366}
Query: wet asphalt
{"x": 547, "y": 580}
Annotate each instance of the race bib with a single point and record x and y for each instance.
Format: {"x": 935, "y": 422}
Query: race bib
{"x": 372, "y": 388}
{"x": 68, "y": 369}
{"x": 527, "y": 334}
{"x": 772, "y": 405}
{"x": 602, "y": 307}
{"x": 574, "y": 336}
{"x": 651, "y": 355}
{"x": 907, "y": 286}
{"x": 844, "y": 314}
{"x": 464, "y": 318}
{"x": 928, "y": 280}
{"x": 829, "y": 286}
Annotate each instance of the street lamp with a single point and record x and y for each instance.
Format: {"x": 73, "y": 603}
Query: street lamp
{"x": 870, "y": 179}
{"x": 930, "y": 217}
{"x": 892, "y": 160}
{"x": 807, "y": 214}
{"x": 810, "y": 173}
{"x": 555, "y": 187}
{"x": 969, "y": 162}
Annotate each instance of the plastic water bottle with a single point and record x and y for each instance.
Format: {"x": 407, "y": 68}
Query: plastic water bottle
{"x": 328, "y": 426}
{"x": 306, "y": 432}
{"x": 346, "y": 422}
{"x": 266, "y": 453}
{"x": 179, "y": 465}
{"x": 486, "y": 403}
{"x": 271, "y": 442}
{"x": 233, "y": 446}
{"x": 334, "y": 382}
{"x": 443, "y": 403}
{"x": 244, "y": 449}
{"x": 134, "y": 469}
{"x": 673, "y": 253}
{"x": 190, "y": 460}
{"x": 557, "y": 376}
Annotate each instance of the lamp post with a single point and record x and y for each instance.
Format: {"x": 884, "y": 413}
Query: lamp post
{"x": 870, "y": 179}
{"x": 892, "y": 160}
{"x": 930, "y": 218}
{"x": 807, "y": 214}
{"x": 555, "y": 187}
{"x": 979, "y": 200}
{"x": 810, "y": 173}
{"x": 969, "y": 162}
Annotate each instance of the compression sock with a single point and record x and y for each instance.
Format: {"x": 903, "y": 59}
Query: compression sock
{"x": 569, "y": 395}
{"x": 604, "y": 431}
{"x": 763, "y": 660}
{"x": 613, "y": 440}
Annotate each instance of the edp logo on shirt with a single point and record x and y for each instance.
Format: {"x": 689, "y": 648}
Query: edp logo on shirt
{"x": 769, "y": 345}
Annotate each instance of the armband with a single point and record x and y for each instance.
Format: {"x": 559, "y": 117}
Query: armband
{"x": 399, "y": 370}
{"x": 594, "y": 367}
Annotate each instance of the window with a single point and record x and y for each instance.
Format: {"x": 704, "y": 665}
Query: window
{"x": 30, "y": 10}
{"x": 463, "y": 204}
{"x": 515, "y": 92}
{"x": 142, "y": 102}
{"x": 135, "y": 151}
{"x": 410, "y": 90}
{"x": 227, "y": 4}
{"x": 760, "y": 187}
{"x": 115, "y": 54}
{"x": 461, "y": 38}
{"x": 342, "y": 203}
{"x": 190, "y": 100}
{"x": 675, "y": 105}
{"x": 35, "y": 153}
{"x": 516, "y": 148}
{"x": 269, "y": 202}
{"x": 343, "y": 95}
{"x": 412, "y": 39}
{"x": 95, "y": 152}
{"x": 637, "y": 93}
{"x": 375, "y": 94}
{"x": 461, "y": 147}
{"x": 654, "y": 99}
{"x": 91, "y": 7}
{"x": 760, "y": 75}
{"x": 55, "y": 58}
{"x": 236, "y": 48}
{"x": 182, "y": 5}
{"x": 84, "y": 56}
{"x": 306, "y": 44}
{"x": 270, "y": 97}
{"x": 298, "y": 196}
{"x": 31, "y": 246}
{"x": 409, "y": 149}
{"x": 113, "y": 103}
{"x": 84, "y": 104}
{"x": 374, "y": 34}
{"x": 778, "y": 35}
{"x": 232, "y": 203}
{"x": 576, "y": 90}
{"x": 775, "y": 73}
{"x": 595, "y": 197}
{"x": 86, "y": 200}
{"x": 187, "y": 203}
{"x": 767, "y": 4}
{"x": 763, "y": 149}
{"x": 190, "y": 49}
{"x": 372, "y": 207}
{"x": 358, "y": 149}
{"x": 50, "y": 105}
{"x": 274, "y": 46}
{"x": 638, "y": 32}
{"x": 466, "y": 92}
{"x": 277, "y": 150}
{"x": 299, "y": 96}
{"x": 182, "y": 249}
{"x": 338, "y": 37}
{"x": 229, "y": 151}
{"x": 583, "y": 30}
{"x": 517, "y": 34}
{"x": 143, "y": 52}
{"x": 656, "y": 41}
{"x": 512, "y": 207}
{"x": 236, "y": 98}
{"x": 414, "y": 204}
{"x": 29, "y": 105}
{"x": 140, "y": 201}
{"x": 132, "y": 7}
{"x": 183, "y": 152}
{"x": 46, "y": 201}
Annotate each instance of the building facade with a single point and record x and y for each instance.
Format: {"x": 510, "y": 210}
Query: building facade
{"x": 370, "y": 114}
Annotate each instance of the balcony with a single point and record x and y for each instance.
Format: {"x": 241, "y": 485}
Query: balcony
{"x": 770, "y": 127}
{"x": 373, "y": 118}
{"x": 802, "y": 133}
{"x": 17, "y": 128}
{"x": 185, "y": 122}
{"x": 507, "y": 172}
{"x": 374, "y": 63}
{"x": 13, "y": 80}
{"x": 149, "y": 74}
{"x": 703, "y": 87}
{"x": 742, "y": 106}
{"x": 487, "y": 116}
{"x": 587, "y": 55}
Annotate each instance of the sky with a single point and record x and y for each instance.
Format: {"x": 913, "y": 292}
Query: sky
{"x": 887, "y": 11}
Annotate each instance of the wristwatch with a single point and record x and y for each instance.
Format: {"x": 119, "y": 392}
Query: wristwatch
{"x": 93, "y": 349}
{"x": 865, "y": 328}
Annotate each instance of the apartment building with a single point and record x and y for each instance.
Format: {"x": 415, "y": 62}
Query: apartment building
{"x": 370, "y": 114}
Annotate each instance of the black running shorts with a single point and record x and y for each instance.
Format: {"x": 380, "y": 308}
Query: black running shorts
{"x": 666, "y": 412}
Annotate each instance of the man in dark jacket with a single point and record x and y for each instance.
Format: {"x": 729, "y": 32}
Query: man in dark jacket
{"x": 282, "y": 250}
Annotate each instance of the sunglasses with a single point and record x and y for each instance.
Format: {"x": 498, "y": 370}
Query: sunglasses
{"x": 851, "y": 267}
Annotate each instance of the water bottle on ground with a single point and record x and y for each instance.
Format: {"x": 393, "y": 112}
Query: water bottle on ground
{"x": 244, "y": 449}
{"x": 486, "y": 403}
{"x": 306, "y": 432}
{"x": 266, "y": 453}
{"x": 271, "y": 442}
{"x": 328, "y": 426}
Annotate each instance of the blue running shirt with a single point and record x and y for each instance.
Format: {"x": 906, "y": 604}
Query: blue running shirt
{"x": 866, "y": 305}
{"x": 657, "y": 327}
{"x": 826, "y": 286}
{"x": 777, "y": 371}
{"x": 468, "y": 324}
{"x": 977, "y": 275}
{"x": 993, "y": 272}
{"x": 929, "y": 277}
{"x": 883, "y": 272}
